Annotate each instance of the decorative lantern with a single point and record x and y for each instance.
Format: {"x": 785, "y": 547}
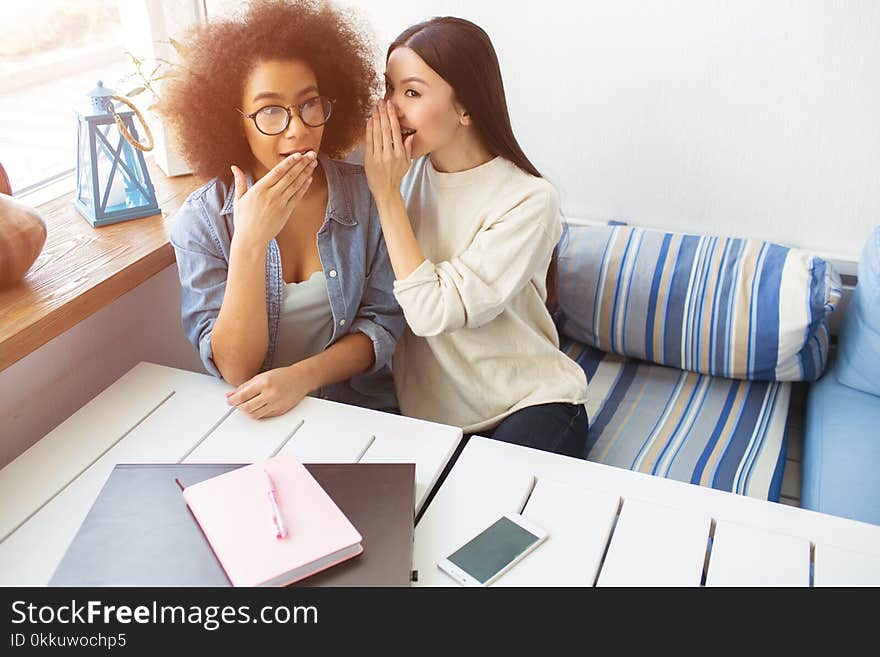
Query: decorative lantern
{"x": 112, "y": 181}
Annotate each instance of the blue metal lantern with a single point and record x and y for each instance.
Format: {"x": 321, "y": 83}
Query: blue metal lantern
{"x": 112, "y": 181}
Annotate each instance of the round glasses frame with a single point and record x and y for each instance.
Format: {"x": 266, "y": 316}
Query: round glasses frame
{"x": 299, "y": 110}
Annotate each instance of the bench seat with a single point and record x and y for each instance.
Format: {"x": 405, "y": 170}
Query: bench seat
{"x": 712, "y": 431}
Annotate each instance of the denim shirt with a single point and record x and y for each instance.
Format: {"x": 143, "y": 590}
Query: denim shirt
{"x": 354, "y": 259}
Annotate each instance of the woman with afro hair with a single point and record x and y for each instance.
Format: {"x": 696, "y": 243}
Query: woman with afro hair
{"x": 287, "y": 286}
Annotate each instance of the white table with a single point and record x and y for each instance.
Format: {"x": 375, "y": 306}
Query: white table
{"x": 613, "y": 527}
{"x": 156, "y": 414}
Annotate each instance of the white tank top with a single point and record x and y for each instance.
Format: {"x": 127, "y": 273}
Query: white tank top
{"x": 305, "y": 325}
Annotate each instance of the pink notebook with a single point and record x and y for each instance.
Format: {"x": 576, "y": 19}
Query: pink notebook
{"x": 235, "y": 514}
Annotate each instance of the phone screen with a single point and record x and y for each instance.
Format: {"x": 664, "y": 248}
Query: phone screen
{"x": 492, "y": 549}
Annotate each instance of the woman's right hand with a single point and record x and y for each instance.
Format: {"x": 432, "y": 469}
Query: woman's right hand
{"x": 386, "y": 155}
{"x": 262, "y": 210}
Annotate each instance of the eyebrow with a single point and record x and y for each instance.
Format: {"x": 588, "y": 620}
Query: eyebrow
{"x": 411, "y": 78}
{"x": 276, "y": 96}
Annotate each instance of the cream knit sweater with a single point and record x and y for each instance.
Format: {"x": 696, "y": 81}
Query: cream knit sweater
{"x": 480, "y": 343}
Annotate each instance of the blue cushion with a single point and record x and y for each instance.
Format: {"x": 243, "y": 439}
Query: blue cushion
{"x": 715, "y": 432}
{"x": 737, "y": 308}
{"x": 858, "y": 361}
{"x": 841, "y": 461}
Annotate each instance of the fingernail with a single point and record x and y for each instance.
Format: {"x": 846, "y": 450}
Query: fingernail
{"x": 297, "y": 156}
{"x": 313, "y": 163}
{"x": 312, "y": 155}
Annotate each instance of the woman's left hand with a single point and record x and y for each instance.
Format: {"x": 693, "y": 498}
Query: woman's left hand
{"x": 386, "y": 155}
{"x": 271, "y": 393}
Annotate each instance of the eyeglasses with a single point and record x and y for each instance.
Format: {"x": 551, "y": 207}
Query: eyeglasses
{"x": 274, "y": 119}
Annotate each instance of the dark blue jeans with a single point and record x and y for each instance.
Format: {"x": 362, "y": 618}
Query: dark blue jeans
{"x": 559, "y": 428}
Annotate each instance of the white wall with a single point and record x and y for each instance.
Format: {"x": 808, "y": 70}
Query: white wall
{"x": 47, "y": 386}
{"x": 754, "y": 117}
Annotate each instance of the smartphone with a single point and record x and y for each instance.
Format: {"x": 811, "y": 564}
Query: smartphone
{"x": 493, "y": 551}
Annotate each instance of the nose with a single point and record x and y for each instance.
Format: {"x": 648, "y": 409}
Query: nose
{"x": 296, "y": 127}
{"x": 396, "y": 106}
{"x": 394, "y": 97}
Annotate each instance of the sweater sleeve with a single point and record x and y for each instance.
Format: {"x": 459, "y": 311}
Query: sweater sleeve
{"x": 472, "y": 288}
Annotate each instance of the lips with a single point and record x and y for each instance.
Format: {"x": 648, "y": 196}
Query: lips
{"x": 301, "y": 151}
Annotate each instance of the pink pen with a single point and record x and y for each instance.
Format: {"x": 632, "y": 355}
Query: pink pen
{"x": 280, "y": 530}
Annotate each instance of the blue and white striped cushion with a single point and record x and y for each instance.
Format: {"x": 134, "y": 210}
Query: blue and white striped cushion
{"x": 737, "y": 308}
{"x": 711, "y": 431}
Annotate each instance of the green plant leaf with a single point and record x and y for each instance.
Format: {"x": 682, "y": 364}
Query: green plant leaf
{"x": 179, "y": 47}
{"x": 134, "y": 92}
{"x": 134, "y": 59}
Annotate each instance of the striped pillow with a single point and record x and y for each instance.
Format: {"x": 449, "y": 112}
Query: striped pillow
{"x": 738, "y": 308}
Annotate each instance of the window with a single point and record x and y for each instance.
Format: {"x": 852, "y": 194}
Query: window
{"x": 52, "y": 54}
{"x": 224, "y": 8}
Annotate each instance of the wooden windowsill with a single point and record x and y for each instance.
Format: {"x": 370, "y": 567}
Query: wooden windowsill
{"x": 81, "y": 269}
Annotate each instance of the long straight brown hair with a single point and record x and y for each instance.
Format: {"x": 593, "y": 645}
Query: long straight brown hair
{"x": 461, "y": 53}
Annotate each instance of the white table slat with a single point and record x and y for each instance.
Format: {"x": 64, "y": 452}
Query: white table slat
{"x": 656, "y": 545}
{"x": 337, "y": 420}
{"x": 51, "y": 463}
{"x": 327, "y": 434}
{"x": 467, "y": 507}
{"x": 745, "y": 556}
{"x": 836, "y": 566}
{"x": 29, "y": 556}
{"x": 579, "y": 522}
{"x": 340, "y": 421}
{"x": 241, "y": 439}
{"x": 344, "y": 448}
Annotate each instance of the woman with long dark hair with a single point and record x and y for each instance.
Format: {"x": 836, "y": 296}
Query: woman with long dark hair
{"x": 471, "y": 227}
